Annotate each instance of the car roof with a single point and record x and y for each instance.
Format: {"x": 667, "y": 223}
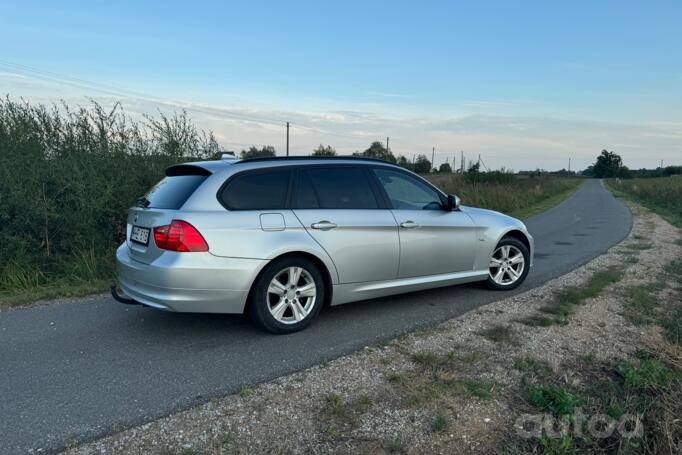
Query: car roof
{"x": 215, "y": 166}
{"x": 314, "y": 158}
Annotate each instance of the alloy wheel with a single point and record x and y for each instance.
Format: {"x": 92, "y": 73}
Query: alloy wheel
{"x": 506, "y": 265}
{"x": 291, "y": 295}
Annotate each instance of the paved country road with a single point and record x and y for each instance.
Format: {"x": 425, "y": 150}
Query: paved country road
{"x": 80, "y": 370}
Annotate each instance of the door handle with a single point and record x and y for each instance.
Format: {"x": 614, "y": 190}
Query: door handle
{"x": 323, "y": 225}
{"x": 409, "y": 225}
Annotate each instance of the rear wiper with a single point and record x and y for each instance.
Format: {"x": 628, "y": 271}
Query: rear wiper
{"x": 142, "y": 202}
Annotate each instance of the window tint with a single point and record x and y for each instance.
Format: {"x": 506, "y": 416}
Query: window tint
{"x": 335, "y": 188}
{"x": 172, "y": 192}
{"x": 406, "y": 192}
{"x": 306, "y": 197}
{"x": 257, "y": 191}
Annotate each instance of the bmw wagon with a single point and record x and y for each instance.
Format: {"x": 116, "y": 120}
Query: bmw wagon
{"x": 280, "y": 238}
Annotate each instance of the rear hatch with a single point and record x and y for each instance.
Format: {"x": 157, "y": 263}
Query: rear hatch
{"x": 158, "y": 207}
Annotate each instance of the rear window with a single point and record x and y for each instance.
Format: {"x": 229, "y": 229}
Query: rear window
{"x": 335, "y": 188}
{"x": 172, "y": 192}
{"x": 266, "y": 190}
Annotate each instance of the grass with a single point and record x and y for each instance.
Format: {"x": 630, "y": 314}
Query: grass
{"x": 245, "y": 391}
{"x": 517, "y": 196}
{"x": 649, "y": 374}
{"x": 499, "y": 333}
{"x": 643, "y": 386}
{"x": 335, "y": 406}
{"x": 439, "y": 423}
{"x": 532, "y": 368}
{"x": 662, "y": 195}
{"x": 87, "y": 272}
{"x": 643, "y": 305}
{"x": 565, "y": 302}
{"x": 63, "y": 215}
{"x": 395, "y": 445}
{"x": 435, "y": 379}
{"x": 553, "y": 398}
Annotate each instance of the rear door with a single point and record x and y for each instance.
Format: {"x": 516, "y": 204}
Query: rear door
{"x": 342, "y": 209}
{"x": 157, "y": 208}
{"x": 433, "y": 240}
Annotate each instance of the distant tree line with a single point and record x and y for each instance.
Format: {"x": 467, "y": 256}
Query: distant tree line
{"x": 610, "y": 165}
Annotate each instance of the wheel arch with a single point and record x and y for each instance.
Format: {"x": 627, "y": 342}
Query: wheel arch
{"x": 324, "y": 270}
{"x": 522, "y": 237}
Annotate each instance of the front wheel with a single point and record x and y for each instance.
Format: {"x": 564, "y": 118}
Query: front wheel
{"x": 287, "y": 295}
{"x": 509, "y": 264}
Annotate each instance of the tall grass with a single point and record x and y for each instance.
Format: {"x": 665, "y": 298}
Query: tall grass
{"x": 67, "y": 177}
{"x": 507, "y": 193}
{"x": 663, "y": 195}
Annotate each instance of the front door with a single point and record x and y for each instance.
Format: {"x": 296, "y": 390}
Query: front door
{"x": 433, "y": 240}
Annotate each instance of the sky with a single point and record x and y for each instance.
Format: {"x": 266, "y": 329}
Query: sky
{"x": 524, "y": 84}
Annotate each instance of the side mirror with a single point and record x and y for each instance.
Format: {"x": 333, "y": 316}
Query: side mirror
{"x": 453, "y": 202}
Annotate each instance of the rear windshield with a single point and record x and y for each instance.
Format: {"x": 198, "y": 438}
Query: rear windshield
{"x": 172, "y": 192}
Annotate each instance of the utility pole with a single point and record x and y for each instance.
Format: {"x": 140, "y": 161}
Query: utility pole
{"x": 287, "y": 138}
{"x": 569, "y": 165}
{"x": 433, "y": 154}
{"x": 661, "y": 164}
{"x": 387, "y": 148}
{"x": 462, "y": 161}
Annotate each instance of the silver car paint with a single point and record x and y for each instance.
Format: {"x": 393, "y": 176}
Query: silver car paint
{"x": 367, "y": 255}
{"x": 440, "y": 242}
{"x": 364, "y": 245}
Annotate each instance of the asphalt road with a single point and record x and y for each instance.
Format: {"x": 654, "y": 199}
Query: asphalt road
{"x": 75, "y": 371}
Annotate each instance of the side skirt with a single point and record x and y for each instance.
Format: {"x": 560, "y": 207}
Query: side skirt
{"x": 352, "y": 292}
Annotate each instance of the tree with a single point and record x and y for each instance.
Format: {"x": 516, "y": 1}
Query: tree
{"x": 255, "y": 152}
{"x": 474, "y": 168}
{"x": 377, "y": 151}
{"x": 609, "y": 164}
{"x": 402, "y": 162}
{"x": 422, "y": 165}
{"x": 324, "y": 151}
{"x": 445, "y": 167}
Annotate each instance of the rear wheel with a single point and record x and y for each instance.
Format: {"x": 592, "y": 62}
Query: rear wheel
{"x": 287, "y": 295}
{"x": 509, "y": 264}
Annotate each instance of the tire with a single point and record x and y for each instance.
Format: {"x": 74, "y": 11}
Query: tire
{"x": 508, "y": 268}
{"x": 289, "y": 309}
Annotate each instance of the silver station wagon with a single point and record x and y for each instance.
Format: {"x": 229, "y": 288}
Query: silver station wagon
{"x": 279, "y": 238}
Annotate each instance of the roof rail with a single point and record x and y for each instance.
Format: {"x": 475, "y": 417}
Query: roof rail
{"x": 323, "y": 158}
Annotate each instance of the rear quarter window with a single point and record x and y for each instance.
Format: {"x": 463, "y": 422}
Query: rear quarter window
{"x": 173, "y": 192}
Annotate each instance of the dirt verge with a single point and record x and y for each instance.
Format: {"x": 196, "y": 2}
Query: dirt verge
{"x": 461, "y": 386}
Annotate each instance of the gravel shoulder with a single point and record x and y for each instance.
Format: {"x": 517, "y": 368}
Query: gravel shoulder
{"x": 453, "y": 388}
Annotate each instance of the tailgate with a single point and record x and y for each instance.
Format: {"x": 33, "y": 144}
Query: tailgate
{"x": 140, "y": 233}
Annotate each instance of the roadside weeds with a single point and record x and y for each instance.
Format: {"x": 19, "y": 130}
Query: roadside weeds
{"x": 600, "y": 344}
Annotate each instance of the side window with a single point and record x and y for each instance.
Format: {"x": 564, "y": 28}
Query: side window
{"x": 335, "y": 188}
{"x": 407, "y": 193}
{"x": 265, "y": 190}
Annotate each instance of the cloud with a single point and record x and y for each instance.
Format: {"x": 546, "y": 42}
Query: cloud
{"x": 512, "y": 141}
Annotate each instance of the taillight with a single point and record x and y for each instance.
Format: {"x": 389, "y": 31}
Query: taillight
{"x": 179, "y": 236}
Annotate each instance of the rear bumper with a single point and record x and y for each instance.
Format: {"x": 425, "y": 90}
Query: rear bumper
{"x": 188, "y": 282}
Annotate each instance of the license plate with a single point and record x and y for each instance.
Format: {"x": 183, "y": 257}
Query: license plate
{"x": 140, "y": 235}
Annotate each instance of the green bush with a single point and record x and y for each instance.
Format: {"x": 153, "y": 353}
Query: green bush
{"x": 67, "y": 178}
